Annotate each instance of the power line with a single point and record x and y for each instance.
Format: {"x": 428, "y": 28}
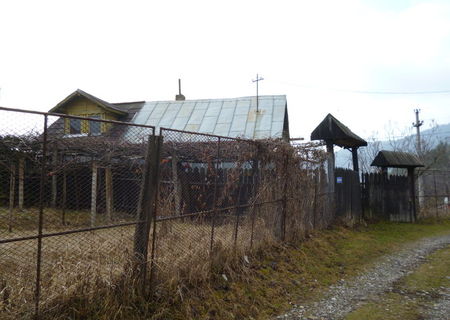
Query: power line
{"x": 368, "y": 91}
{"x": 422, "y": 134}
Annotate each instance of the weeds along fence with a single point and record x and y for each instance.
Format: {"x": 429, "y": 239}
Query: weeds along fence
{"x": 90, "y": 207}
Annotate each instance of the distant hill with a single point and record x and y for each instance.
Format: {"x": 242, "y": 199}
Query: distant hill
{"x": 432, "y": 137}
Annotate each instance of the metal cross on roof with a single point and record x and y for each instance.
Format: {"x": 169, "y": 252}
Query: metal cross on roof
{"x": 257, "y": 80}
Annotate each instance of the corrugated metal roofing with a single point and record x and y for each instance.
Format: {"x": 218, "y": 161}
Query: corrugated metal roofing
{"x": 236, "y": 117}
{"x": 396, "y": 159}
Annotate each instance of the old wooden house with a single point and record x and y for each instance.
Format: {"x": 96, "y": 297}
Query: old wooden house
{"x": 231, "y": 117}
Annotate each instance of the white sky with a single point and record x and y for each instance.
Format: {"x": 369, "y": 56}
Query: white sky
{"x": 318, "y": 53}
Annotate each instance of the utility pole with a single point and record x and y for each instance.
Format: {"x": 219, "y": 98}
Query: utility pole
{"x": 257, "y": 80}
{"x": 417, "y": 125}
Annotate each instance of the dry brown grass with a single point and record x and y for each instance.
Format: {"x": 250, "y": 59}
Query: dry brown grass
{"x": 90, "y": 274}
{"x": 79, "y": 268}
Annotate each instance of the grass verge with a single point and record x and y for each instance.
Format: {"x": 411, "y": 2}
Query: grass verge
{"x": 280, "y": 276}
{"x": 257, "y": 286}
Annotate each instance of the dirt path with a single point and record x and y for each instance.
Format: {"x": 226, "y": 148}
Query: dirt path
{"x": 346, "y": 296}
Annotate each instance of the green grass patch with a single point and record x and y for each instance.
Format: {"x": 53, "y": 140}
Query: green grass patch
{"x": 392, "y": 307}
{"x": 431, "y": 275}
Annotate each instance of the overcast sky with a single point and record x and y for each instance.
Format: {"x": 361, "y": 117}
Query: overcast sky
{"x": 368, "y": 62}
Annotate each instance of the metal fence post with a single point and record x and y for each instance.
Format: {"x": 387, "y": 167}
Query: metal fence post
{"x": 41, "y": 219}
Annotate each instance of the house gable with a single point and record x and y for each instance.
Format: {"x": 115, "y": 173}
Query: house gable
{"x": 82, "y": 104}
{"x": 83, "y": 101}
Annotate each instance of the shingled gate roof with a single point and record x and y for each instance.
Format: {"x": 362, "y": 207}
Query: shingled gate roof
{"x": 395, "y": 159}
{"x": 331, "y": 129}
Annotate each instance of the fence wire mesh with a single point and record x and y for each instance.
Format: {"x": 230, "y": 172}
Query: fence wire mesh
{"x": 221, "y": 197}
{"x": 77, "y": 212}
{"x": 69, "y": 197}
{"x": 433, "y": 193}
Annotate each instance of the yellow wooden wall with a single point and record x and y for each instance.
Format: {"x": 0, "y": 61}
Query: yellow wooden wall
{"x": 85, "y": 108}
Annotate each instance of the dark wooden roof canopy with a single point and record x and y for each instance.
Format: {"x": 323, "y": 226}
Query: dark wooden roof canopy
{"x": 332, "y": 130}
{"x": 395, "y": 159}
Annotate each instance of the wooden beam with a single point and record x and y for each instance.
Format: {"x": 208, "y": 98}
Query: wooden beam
{"x": 176, "y": 185}
{"x": 64, "y": 199}
{"x": 412, "y": 193}
{"x": 355, "y": 159}
{"x": 147, "y": 208}
{"x": 12, "y": 187}
{"x": 21, "y": 181}
{"x": 94, "y": 193}
{"x": 54, "y": 178}
{"x": 109, "y": 193}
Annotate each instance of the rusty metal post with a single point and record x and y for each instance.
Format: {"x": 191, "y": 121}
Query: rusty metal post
{"x": 41, "y": 219}
{"x": 213, "y": 219}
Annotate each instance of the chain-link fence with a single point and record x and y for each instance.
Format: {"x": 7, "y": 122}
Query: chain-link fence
{"x": 222, "y": 197}
{"x": 86, "y": 204}
{"x": 433, "y": 193}
{"x": 69, "y": 198}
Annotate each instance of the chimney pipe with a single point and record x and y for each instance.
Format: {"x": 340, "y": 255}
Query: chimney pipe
{"x": 179, "y": 96}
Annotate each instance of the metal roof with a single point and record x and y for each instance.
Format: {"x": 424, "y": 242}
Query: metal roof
{"x": 235, "y": 117}
{"x": 331, "y": 129}
{"x": 396, "y": 159}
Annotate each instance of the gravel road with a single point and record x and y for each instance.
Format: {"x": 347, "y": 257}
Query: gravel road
{"x": 346, "y": 296}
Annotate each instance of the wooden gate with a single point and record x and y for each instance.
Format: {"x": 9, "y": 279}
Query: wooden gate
{"x": 387, "y": 197}
{"x": 348, "y": 195}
